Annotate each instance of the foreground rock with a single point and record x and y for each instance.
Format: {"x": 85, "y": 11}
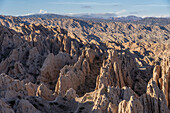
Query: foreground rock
{"x": 5, "y": 108}
{"x": 52, "y": 66}
{"x": 154, "y": 99}
{"x": 75, "y": 76}
{"x": 121, "y": 70}
{"x": 161, "y": 75}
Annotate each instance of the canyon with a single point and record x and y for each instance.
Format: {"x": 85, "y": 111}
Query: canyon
{"x": 65, "y": 65}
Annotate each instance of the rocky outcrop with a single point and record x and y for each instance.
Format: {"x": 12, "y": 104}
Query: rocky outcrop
{"x": 5, "y": 108}
{"x": 24, "y": 106}
{"x": 71, "y": 94}
{"x": 161, "y": 75}
{"x": 154, "y": 99}
{"x": 52, "y": 66}
{"x": 131, "y": 106}
{"x": 60, "y": 105}
{"x": 45, "y": 93}
{"x": 11, "y": 88}
{"x": 74, "y": 76}
{"x": 31, "y": 89}
{"x": 107, "y": 99}
{"x": 116, "y": 100}
{"x": 34, "y": 61}
{"x": 121, "y": 70}
{"x": 79, "y": 74}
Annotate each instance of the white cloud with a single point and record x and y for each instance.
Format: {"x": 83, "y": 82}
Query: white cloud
{"x": 158, "y": 16}
{"x": 42, "y": 11}
{"x": 85, "y": 3}
{"x": 120, "y": 12}
{"x": 152, "y": 5}
{"x": 109, "y": 13}
{"x": 26, "y": 14}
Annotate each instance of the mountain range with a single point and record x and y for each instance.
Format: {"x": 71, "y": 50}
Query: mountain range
{"x": 106, "y": 17}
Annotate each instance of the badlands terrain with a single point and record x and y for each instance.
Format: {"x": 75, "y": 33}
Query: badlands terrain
{"x": 66, "y": 65}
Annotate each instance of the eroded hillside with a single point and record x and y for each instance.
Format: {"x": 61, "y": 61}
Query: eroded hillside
{"x": 66, "y": 65}
{"x": 100, "y": 31}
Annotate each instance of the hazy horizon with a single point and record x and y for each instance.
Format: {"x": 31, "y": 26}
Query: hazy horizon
{"x": 145, "y": 8}
{"x": 87, "y": 14}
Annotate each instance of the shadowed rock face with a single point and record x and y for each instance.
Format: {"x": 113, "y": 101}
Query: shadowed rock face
{"x": 47, "y": 69}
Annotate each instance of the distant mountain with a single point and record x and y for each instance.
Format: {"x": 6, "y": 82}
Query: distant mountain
{"x": 100, "y": 17}
{"x": 45, "y": 16}
{"x": 94, "y": 15}
{"x": 153, "y": 21}
{"x": 105, "y": 17}
{"x": 127, "y": 19}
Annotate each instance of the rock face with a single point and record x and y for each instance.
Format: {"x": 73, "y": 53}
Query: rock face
{"x": 154, "y": 99}
{"x": 31, "y": 89}
{"x": 121, "y": 71}
{"x": 75, "y": 75}
{"x": 161, "y": 75}
{"x": 5, "y": 108}
{"x": 44, "y": 92}
{"x": 52, "y": 66}
{"x": 132, "y": 106}
{"x": 25, "y": 106}
{"x": 11, "y": 88}
{"x": 46, "y": 69}
{"x": 71, "y": 94}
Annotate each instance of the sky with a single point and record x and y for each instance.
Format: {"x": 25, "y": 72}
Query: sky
{"x": 142, "y": 8}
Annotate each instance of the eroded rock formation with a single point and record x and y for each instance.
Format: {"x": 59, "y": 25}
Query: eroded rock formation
{"x": 47, "y": 69}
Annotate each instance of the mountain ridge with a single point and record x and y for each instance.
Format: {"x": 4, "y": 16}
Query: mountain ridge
{"x": 130, "y": 18}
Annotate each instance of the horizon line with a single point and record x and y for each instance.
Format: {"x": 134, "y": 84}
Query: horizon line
{"x": 69, "y": 15}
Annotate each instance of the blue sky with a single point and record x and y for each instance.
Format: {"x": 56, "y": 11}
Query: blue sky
{"x": 118, "y": 7}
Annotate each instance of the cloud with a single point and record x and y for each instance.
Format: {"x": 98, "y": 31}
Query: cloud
{"x": 42, "y": 11}
{"x": 27, "y": 14}
{"x": 152, "y": 5}
{"x": 158, "y": 16}
{"x": 93, "y": 15}
{"x": 165, "y": 15}
{"x": 86, "y": 7}
{"x": 120, "y": 12}
{"x": 136, "y": 12}
{"x": 85, "y": 3}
